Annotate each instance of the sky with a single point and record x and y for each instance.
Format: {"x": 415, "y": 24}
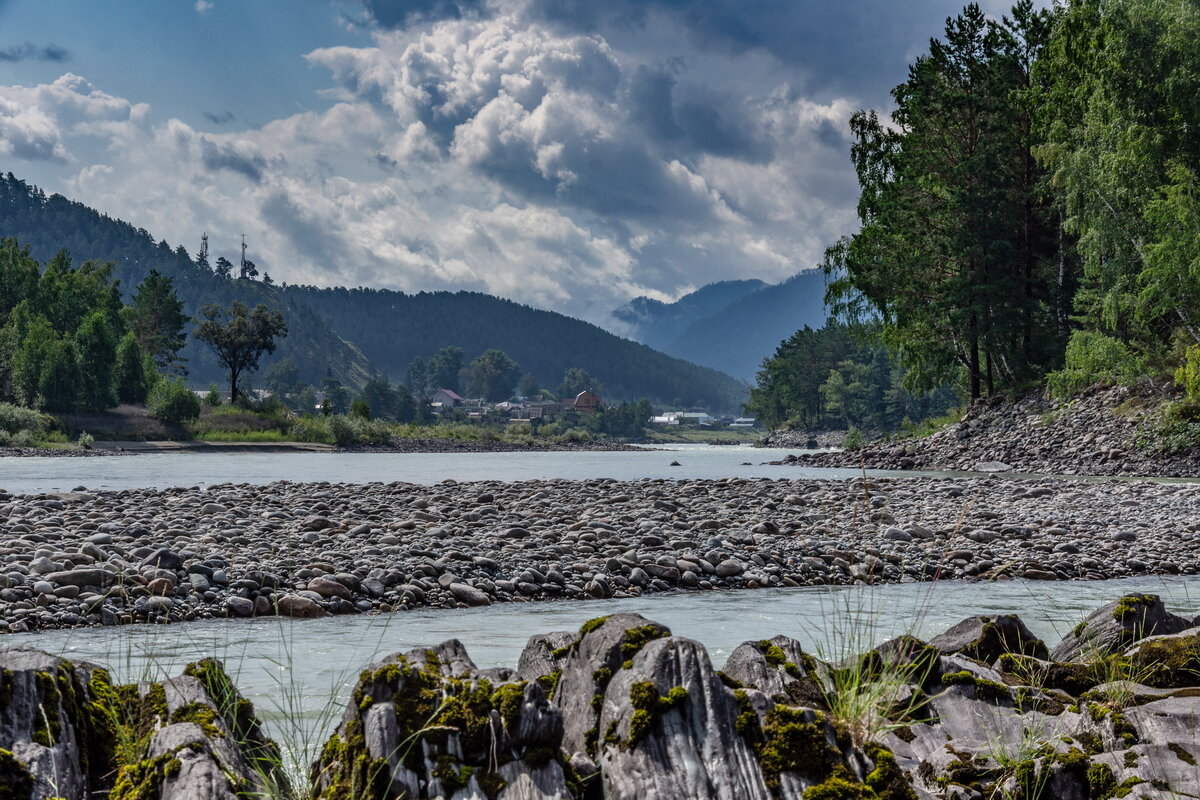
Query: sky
{"x": 567, "y": 154}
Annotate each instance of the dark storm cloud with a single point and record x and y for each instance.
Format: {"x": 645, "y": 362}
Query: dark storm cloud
{"x": 693, "y": 117}
{"x": 859, "y": 47}
{"x": 219, "y": 117}
{"x": 398, "y": 13}
{"x": 217, "y": 157}
{"x": 32, "y": 52}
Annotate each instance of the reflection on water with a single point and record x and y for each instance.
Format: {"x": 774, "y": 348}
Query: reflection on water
{"x": 317, "y": 660}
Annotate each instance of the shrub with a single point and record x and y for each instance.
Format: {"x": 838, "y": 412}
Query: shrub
{"x": 311, "y": 429}
{"x": 1093, "y": 358}
{"x": 86, "y": 440}
{"x": 213, "y": 398}
{"x": 359, "y": 409}
{"x": 171, "y": 401}
{"x": 1188, "y": 376}
{"x": 854, "y": 439}
{"x": 342, "y": 431}
{"x": 16, "y": 419}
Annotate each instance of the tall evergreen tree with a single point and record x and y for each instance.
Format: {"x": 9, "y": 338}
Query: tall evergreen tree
{"x": 955, "y": 238}
{"x": 156, "y": 317}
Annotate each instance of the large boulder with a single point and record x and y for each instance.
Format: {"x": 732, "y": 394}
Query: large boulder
{"x": 1116, "y": 625}
{"x": 428, "y": 723}
{"x": 205, "y": 742}
{"x": 986, "y": 638}
{"x": 775, "y": 667}
{"x": 603, "y": 646}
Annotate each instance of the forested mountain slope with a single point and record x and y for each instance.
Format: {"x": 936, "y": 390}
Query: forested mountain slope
{"x": 350, "y": 333}
{"x": 393, "y": 328}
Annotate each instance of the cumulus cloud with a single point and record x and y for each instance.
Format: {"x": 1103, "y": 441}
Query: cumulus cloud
{"x": 36, "y": 121}
{"x": 33, "y": 52}
{"x": 489, "y": 146}
{"x": 203, "y": 6}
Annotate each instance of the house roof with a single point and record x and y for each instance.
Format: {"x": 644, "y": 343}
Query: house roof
{"x": 451, "y": 394}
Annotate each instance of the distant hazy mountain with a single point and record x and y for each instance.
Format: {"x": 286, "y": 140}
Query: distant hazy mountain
{"x": 658, "y": 324}
{"x": 731, "y": 325}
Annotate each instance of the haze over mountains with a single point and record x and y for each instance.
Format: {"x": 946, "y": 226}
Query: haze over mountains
{"x": 351, "y": 334}
{"x": 730, "y": 325}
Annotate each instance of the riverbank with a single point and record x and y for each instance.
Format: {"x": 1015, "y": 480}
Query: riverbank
{"x": 314, "y": 549}
{"x": 1105, "y": 431}
{"x": 620, "y": 706}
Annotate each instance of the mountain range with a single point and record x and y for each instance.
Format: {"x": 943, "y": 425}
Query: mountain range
{"x": 353, "y": 334}
{"x": 730, "y": 326}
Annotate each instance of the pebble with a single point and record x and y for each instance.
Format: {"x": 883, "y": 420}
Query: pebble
{"x": 395, "y": 546}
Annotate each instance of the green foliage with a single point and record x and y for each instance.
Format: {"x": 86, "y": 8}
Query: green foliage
{"x": 61, "y": 378}
{"x": 171, "y": 401}
{"x": 838, "y": 377}
{"x": 17, "y": 419}
{"x": 60, "y": 332}
{"x": 1188, "y": 375}
{"x": 958, "y": 254}
{"x": 130, "y": 372}
{"x": 576, "y": 380}
{"x": 96, "y": 347}
{"x": 492, "y": 376}
{"x": 239, "y": 336}
{"x": 282, "y": 378}
{"x": 1093, "y": 357}
{"x": 855, "y": 440}
{"x": 213, "y": 398}
{"x": 359, "y": 409}
{"x": 155, "y": 316}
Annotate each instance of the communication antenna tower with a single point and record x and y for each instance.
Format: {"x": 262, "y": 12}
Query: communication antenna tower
{"x": 204, "y": 247}
{"x": 243, "y": 264}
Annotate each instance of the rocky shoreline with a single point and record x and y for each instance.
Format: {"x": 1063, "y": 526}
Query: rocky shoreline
{"x": 624, "y": 710}
{"x": 1101, "y": 432}
{"x": 314, "y": 549}
{"x": 802, "y": 440}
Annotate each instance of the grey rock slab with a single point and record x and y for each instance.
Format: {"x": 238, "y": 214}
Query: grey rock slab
{"x": 537, "y": 658}
{"x": 748, "y": 665}
{"x": 987, "y": 637}
{"x": 1105, "y": 631}
{"x": 600, "y": 648}
{"x": 692, "y": 751}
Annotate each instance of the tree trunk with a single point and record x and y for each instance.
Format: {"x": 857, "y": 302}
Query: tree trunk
{"x": 973, "y": 355}
{"x": 233, "y": 390}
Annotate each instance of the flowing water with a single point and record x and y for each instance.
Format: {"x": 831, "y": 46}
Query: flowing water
{"x": 300, "y": 673}
{"x": 160, "y": 470}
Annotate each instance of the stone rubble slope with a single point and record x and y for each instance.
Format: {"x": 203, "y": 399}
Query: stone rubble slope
{"x": 1097, "y": 433}
{"x": 314, "y": 549}
{"x": 624, "y": 710}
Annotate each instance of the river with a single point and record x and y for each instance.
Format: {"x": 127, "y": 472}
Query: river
{"x": 298, "y": 673}
{"x": 160, "y": 470}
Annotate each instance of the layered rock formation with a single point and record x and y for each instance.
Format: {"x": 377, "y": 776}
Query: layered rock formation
{"x": 624, "y": 710}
